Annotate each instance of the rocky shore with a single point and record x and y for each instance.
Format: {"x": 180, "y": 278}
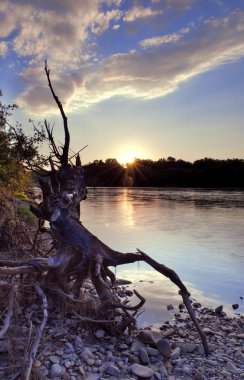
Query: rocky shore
{"x": 73, "y": 352}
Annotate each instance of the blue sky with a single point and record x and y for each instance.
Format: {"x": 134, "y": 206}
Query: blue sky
{"x": 149, "y": 78}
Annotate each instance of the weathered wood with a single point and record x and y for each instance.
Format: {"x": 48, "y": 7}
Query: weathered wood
{"x": 77, "y": 253}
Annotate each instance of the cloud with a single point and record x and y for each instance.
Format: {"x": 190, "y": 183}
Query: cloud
{"x": 144, "y": 74}
{"x": 3, "y": 48}
{"x": 60, "y": 30}
{"x": 138, "y": 12}
{"x": 167, "y": 38}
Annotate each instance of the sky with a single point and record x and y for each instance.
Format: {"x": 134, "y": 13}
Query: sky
{"x": 137, "y": 78}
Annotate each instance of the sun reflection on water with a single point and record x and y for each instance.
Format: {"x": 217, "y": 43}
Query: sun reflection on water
{"x": 127, "y": 209}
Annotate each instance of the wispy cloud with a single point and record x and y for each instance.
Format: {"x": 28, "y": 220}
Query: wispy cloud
{"x": 165, "y": 39}
{"x": 145, "y": 74}
{"x": 138, "y": 12}
{"x": 55, "y": 29}
{"x": 66, "y": 33}
{"x": 3, "y": 48}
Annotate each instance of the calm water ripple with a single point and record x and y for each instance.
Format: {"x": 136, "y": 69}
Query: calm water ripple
{"x": 196, "y": 232}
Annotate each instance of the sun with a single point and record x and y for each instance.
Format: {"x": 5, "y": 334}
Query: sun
{"x": 127, "y": 157}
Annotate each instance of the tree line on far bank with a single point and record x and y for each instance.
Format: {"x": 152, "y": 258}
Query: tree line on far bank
{"x": 168, "y": 172}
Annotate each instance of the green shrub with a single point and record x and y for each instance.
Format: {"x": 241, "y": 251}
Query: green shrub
{"x": 21, "y": 196}
{"x": 25, "y": 214}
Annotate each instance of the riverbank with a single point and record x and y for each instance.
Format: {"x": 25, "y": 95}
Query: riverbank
{"x": 71, "y": 350}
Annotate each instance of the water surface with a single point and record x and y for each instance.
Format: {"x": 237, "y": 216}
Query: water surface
{"x": 198, "y": 233}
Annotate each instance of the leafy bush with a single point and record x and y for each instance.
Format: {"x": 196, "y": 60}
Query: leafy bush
{"x": 25, "y": 214}
{"x": 22, "y": 196}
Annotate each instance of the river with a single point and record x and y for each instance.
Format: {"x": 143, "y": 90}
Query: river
{"x": 199, "y": 233}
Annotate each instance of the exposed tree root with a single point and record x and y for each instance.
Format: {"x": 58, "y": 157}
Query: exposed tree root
{"x": 73, "y": 256}
{"x": 9, "y": 314}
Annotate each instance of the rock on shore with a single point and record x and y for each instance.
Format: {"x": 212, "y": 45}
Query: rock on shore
{"x": 174, "y": 352}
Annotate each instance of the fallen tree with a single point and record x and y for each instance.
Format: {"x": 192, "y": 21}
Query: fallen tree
{"x": 75, "y": 255}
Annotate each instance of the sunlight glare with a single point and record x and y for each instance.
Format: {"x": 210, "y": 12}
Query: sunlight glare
{"x": 127, "y": 157}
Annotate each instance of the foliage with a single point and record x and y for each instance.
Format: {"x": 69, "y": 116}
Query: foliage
{"x": 22, "y": 196}
{"x": 18, "y": 152}
{"x": 168, "y": 172}
{"x": 15, "y": 220}
{"x": 26, "y": 215}
{"x": 13, "y": 176}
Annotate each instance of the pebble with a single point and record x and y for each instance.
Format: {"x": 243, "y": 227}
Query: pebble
{"x": 136, "y": 345}
{"x": 141, "y": 370}
{"x": 152, "y": 351}
{"x": 112, "y": 370}
{"x": 143, "y": 355}
{"x": 173, "y": 353}
{"x": 99, "y": 334}
{"x": 230, "y": 367}
{"x": 56, "y": 370}
{"x": 219, "y": 309}
{"x": 149, "y": 336}
{"x": 37, "y": 363}
{"x": 87, "y": 354}
{"x": 163, "y": 347}
{"x": 54, "y": 359}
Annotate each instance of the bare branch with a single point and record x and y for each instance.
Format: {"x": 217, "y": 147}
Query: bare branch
{"x": 10, "y": 311}
{"x": 65, "y": 156}
{"x": 32, "y": 354}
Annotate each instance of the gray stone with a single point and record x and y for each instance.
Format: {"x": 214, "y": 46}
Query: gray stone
{"x": 134, "y": 359}
{"x": 81, "y": 370}
{"x": 214, "y": 363}
{"x": 56, "y": 370}
{"x": 208, "y": 331}
{"x": 197, "y": 305}
{"x": 219, "y": 309}
{"x": 123, "y": 346}
{"x": 163, "y": 347}
{"x": 163, "y": 371}
{"x": 136, "y": 345}
{"x": 99, "y": 334}
{"x": 54, "y": 359}
{"x": 149, "y": 336}
{"x": 141, "y": 371}
{"x": 240, "y": 357}
{"x": 143, "y": 355}
{"x": 68, "y": 364}
{"x": 59, "y": 352}
{"x": 152, "y": 351}
{"x": 170, "y": 307}
{"x": 186, "y": 370}
{"x": 90, "y": 361}
{"x": 112, "y": 370}
{"x": 198, "y": 376}
{"x": 175, "y": 354}
{"x": 230, "y": 367}
{"x": 168, "y": 333}
{"x": 87, "y": 354}
{"x": 37, "y": 363}
{"x": 240, "y": 336}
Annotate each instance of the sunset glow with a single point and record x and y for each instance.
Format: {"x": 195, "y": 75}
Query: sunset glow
{"x": 127, "y": 157}
{"x": 146, "y": 79}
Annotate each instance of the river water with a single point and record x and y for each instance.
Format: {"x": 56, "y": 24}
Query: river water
{"x": 198, "y": 233}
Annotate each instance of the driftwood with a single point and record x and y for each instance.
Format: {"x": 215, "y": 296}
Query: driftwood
{"x": 78, "y": 254}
